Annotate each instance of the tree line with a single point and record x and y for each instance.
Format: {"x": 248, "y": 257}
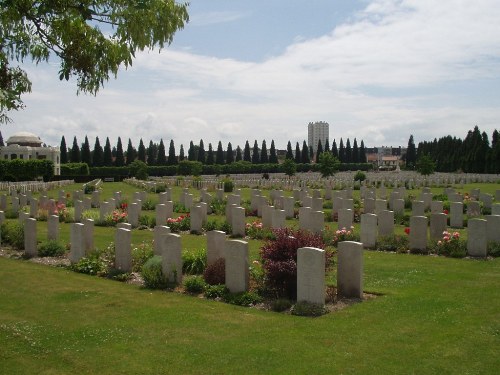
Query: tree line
{"x": 474, "y": 154}
{"x": 156, "y": 154}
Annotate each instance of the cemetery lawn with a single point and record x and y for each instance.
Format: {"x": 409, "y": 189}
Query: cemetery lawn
{"x": 434, "y": 315}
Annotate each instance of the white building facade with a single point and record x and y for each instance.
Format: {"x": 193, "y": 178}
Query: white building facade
{"x": 26, "y": 146}
{"x": 317, "y": 131}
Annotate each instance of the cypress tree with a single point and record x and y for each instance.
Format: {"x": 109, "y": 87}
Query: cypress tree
{"x": 201, "y": 152}
{"x": 172, "y": 158}
{"x": 319, "y": 151}
{"x": 238, "y": 154}
{"x": 191, "y": 152}
{"x": 289, "y": 151}
{"x": 219, "y": 157}
{"x": 75, "y": 152}
{"x": 305, "y": 153}
{"x": 342, "y": 151}
{"x": 355, "y": 152}
{"x": 107, "y": 157}
{"x": 85, "y": 154}
{"x": 229, "y": 154}
{"x": 362, "y": 153}
{"x": 348, "y": 151}
{"x": 98, "y": 154}
{"x": 151, "y": 153}
{"x": 273, "y": 158}
{"x": 1, "y": 140}
{"x": 141, "y": 152}
{"x": 181, "y": 153}
{"x": 411, "y": 154}
{"x": 298, "y": 155}
{"x": 311, "y": 153}
{"x": 210, "y": 155}
{"x": 161, "y": 158}
{"x": 64, "y": 151}
{"x": 130, "y": 153}
{"x": 246, "y": 152}
{"x": 264, "y": 159}
{"x": 335, "y": 151}
{"x": 327, "y": 146}
{"x": 120, "y": 157}
{"x": 255, "y": 153}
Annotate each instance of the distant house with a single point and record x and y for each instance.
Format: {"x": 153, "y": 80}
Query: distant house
{"x": 26, "y": 146}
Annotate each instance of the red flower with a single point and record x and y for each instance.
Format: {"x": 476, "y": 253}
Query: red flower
{"x": 445, "y": 212}
{"x": 407, "y": 230}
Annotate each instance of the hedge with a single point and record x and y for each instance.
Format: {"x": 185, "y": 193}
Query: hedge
{"x": 75, "y": 169}
{"x": 26, "y": 170}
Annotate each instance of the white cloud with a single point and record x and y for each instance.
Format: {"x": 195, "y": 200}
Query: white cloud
{"x": 212, "y": 18}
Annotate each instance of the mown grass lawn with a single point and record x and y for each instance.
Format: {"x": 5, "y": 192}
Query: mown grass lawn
{"x": 436, "y": 315}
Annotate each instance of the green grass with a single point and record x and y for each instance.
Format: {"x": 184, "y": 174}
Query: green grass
{"x": 436, "y": 315}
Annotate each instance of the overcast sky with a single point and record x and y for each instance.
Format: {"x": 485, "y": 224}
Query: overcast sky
{"x": 375, "y": 70}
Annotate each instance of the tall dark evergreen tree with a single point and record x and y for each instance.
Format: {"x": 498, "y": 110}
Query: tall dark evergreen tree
{"x": 255, "y": 153}
{"x": 319, "y": 150}
{"x": 107, "y": 157}
{"x": 229, "y": 154}
{"x": 161, "y": 157}
{"x": 113, "y": 152}
{"x": 342, "y": 151}
{"x": 298, "y": 154}
{"x": 172, "y": 158}
{"x": 305, "y": 153}
{"x": 152, "y": 149}
{"x": 348, "y": 151}
{"x": 181, "y": 153}
{"x": 191, "y": 152}
{"x": 97, "y": 154}
{"x": 362, "y": 152}
{"x": 75, "y": 152}
{"x": 355, "y": 152}
{"x": 311, "y": 153}
{"x": 246, "y": 152}
{"x": 273, "y": 158}
{"x": 289, "y": 151}
{"x": 141, "y": 152}
{"x": 85, "y": 152}
{"x": 1, "y": 140}
{"x": 495, "y": 152}
{"x": 219, "y": 156}
{"x": 335, "y": 151}
{"x": 210, "y": 155}
{"x": 120, "y": 157}
{"x": 264, "y": 159}
{"x": 64, "y": 151}
{"x": 131, "y": 153}
{"x": 239, "y": 157}
{"x": 201, "y": 152}
{"x": 411, "y": 154}
{"x": 327, "y": 146}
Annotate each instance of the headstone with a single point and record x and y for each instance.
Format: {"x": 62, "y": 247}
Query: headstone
{"x": 78, "y": 211}
{"x": 87, "y": 203}
{"x": 215, "y": 246}
{"x": 417, "y": 208}
{"x": 3, "y": 202}
{"x": 369, "y": 206}
{"x": 317, "y": 221}
{"x": 398, "y": 206}
{"x": 279, "y": 217}
{"x": 487, "y": 199}
{"x": 455, "y": 197}
{"x": 380, "y": 205}
{"x": 158, "y": 232}
{"x": 238, "y": 221}
{"x": 171, "y": 251}
{"x": 317, "y": 204}
{"x": 475, "y": 193}
{"x": 311, "y": 275}
{"x": 34, "y": 208}
{"x": 96, "y": 198}
{"x": 473, "y": 209}
{"x": 2, "y": 217}
{"x": 427, "y": 199}
{"x": 237, "y": 274}
{"x": 52, "y": 227}
{"x": 123, "y": 250}
{"x": 289, "y": 206}
{"x": 307, "y": 202}
{"x": 88, "y": 235}
{"x": 418, "y": 233}
{"x": 267, "y": 216}
{"x": 437, "y": 225}
{"x": 163, "y": 197}
{"x": 15, "y": 205}
{"x": 77, "y": 249}
{"x": 477, "y": 245}
{"x": 304, "y": 218}
{"x": 30, "y": 245}
{"x": 436, "y": 207}
{"x": 124, "y": 226}
{"x": 495, "y": 209}
{"x": 23, "y": 216}
{"x": 345, "y": 218}
{"x": 369, "y": 230}
{"x": 161, "y": 214}
{"x": 133, "y": 214}
{"x": 385, "y": 223}
{"x": 493, "y": 228}
{"x": 350, "y": 269}
{"x": 456, "y": 215}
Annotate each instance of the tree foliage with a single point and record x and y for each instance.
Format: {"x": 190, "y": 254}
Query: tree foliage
{"x": 328, "y": 164}
{"x": 91, "y": 39}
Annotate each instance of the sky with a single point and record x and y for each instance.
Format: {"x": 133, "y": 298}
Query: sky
{"x": 375, "y": 70}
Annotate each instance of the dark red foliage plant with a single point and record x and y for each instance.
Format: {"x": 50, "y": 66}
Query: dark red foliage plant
{"x": 215, "y": 273}
{"x": 279, "y": 259}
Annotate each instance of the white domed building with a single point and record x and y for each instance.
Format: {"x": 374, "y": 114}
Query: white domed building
{"x": 24, "y": 145}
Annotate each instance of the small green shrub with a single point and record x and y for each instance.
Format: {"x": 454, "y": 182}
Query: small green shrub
{"x": 210, "y": 225}
{"x": 194, "y": 263}
{"x": 91, "y": 265}
{"x": 153, "y": 275}
{"x": 228, "y": 185}
{"x": 147, "y": 221}
{"x": 494, "y": 249}
{"x": 216, "y": 272}
{"x": 396, "y": 243}
{"x": 194, "y": 284}
{"x": 218, "y": 206}
{"x": 181, "y": 223}
{"x": 13, "y": 234}
{"x": 359, "y": 176}
{"x": 11, "y": 214}
{"x": 51, "y": 248}
{"x": 243, "y": 298}
{"x": 304, "y": 308}
{"x": 118, "y": 275}
{"x": 225, "y": 227}
{"x": 141, "y": 254}
{"x": 148, "y": 205}
{"x": 281, "y": 304}
{"x": 216, "y": 291}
